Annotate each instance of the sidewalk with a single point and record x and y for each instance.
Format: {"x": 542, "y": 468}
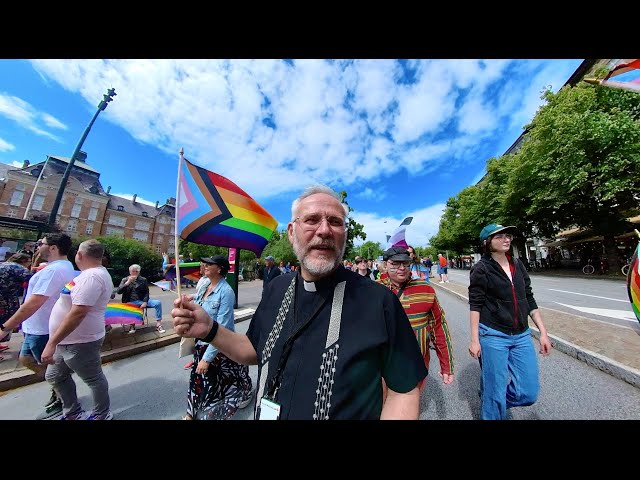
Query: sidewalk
{"x": 118, "y": 344}
{"x": 610, "y": 348}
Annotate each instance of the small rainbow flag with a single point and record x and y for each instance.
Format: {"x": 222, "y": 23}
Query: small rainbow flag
{"x": 212, "y": 210}
{"x": 633, "y": 283}
{"x": 67, "y": 288}
{"x": 122, "y": 313}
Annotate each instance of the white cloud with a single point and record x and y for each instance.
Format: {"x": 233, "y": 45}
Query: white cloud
{"x": 372, "y": 194}
{"x": 24, "y": 114}
{"x": 129, "y": 196}
{"x": 424, "y": 225}
{"x": 269, "y": 125}
{"x": 6, "y": 146}
{"x": 16, "y": 164}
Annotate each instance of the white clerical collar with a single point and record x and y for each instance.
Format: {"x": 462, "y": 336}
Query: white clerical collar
{"x": 309, "y": 286}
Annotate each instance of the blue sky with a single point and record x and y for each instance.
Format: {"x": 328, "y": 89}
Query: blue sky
{"x": 400, "y": 136}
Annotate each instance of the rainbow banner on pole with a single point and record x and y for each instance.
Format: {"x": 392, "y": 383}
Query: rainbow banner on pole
{"x": 633, "y": 283}
{"x": 122, "y": 313}
{"x": 212, "y": 210}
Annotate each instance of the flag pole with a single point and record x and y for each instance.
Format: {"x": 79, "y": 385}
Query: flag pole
{"x": 177, "y": 237}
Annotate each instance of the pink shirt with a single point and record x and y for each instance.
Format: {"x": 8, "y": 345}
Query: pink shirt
{"x": 92, "y": 288}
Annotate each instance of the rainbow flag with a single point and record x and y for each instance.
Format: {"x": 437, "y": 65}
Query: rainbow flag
{"x": 633, "y": 283}
{"x": 212, "y": 210}
{"x": 188, "y": 270}
{"x": 624, "y": 75}
{"x": 122, "y": 313}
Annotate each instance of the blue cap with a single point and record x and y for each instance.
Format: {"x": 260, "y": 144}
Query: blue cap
{"x": 269, "y": 257}
{"x": 494, "y": 228}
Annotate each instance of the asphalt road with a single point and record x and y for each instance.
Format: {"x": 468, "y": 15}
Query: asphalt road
{"x": 153, "y": 385}
{"x": 605, "y": 300}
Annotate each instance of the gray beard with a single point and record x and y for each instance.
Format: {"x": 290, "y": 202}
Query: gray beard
{"x": 316, "y": 267}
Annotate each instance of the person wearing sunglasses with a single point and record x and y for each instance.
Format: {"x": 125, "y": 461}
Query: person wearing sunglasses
{"x": 421, "y": 305}
{"x": 501, "y": 300}
{"x": 42, "y": 293}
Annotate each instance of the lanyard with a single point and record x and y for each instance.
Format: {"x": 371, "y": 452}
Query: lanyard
{"x": 274, "y": 384}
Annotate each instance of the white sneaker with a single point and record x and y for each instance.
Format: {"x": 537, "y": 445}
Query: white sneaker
{"x": 159, "y": 329}
{"x": 132, "y": 330}
{"x": 447, "y": 281}
{"x": 441, "y": 281}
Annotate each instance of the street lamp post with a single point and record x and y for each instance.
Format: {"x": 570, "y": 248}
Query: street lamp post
{"x": 108, "y": 97}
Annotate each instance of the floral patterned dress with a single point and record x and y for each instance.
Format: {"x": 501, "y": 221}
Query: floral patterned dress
{"x": 226, "y": 385}
{"x": 12, "y": 277}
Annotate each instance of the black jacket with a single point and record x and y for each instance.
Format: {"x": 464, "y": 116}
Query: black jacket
{"x": 268, "y": 275}
{"x": 140, "y": 285}
{"x": 503, "y": 306}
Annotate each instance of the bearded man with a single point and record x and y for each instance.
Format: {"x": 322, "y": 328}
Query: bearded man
{"x": 325, "y": 337}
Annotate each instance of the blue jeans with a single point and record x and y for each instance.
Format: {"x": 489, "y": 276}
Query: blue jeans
{"x": 509, "y": 372}
{"x": 153, "y": 304}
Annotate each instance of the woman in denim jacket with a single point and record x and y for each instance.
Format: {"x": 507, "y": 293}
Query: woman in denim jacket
{"x": 501, "y": 300}
{"x": 218, "y": 386}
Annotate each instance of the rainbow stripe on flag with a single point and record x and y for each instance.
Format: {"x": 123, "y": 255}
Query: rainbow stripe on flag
{"x": 122, "y": 313}
{"x": 67, "y": 288}
{"x": 212, "y": 210}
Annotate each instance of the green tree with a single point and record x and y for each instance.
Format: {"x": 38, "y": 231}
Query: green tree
{"x": 280, "y": 248}
{"x": 354, "y": 229}
{"x": 370, "y": 249}
{"x": 124, "y": 252}
{"x": 580, "y": 165}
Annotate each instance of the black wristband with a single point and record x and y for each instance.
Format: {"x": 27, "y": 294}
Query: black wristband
{"x": 212, "y": 333}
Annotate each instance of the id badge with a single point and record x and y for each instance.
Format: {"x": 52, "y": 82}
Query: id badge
{"x": 269, "y": 410}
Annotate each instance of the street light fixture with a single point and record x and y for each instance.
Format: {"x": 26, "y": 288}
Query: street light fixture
{"x": 108, "y": 97}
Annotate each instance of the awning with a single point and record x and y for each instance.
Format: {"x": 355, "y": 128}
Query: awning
{"x": 571, "y": 231}
{"x": 557, "y": 243}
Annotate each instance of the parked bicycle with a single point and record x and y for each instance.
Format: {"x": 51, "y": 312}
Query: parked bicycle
{"x": 588, "y": 269}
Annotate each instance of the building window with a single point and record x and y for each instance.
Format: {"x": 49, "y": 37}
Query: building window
{"x": 158, "y": 249}
{"x": 140, "y": 225}
{"x": 17, "y": 196}
{"x": 120, "y": 208}
{"x": 89, "y": 228}
{"x": 115, "y": 232}
{"x": 72, "y": 225}
{"x": 77, "y": 206}
{"x": 117, "y": 220}
{"x": 145, "y": 214}
{"x": 159, "y": 239}
{"x": 161, "y": 229}
{"x": 11, "y": 213}
{"x": 38, "y": 201}
{"x": 93, "y": 213}
{"x": 140, "y": 236}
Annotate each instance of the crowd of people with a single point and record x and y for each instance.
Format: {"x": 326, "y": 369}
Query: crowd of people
{"x": 332, "y": 339}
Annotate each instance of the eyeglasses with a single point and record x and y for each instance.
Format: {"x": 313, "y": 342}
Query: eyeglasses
{"x": 361, "y": 261}
{"x": 312, "y": 221}
{"x": 504, "y": 236}
{"x": 398, "y": 265}
{"x": 41, "y": 243}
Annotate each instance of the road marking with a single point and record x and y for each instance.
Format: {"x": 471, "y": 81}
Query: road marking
{"x": 586, "y": 295}
{"x": 604, "y": 312}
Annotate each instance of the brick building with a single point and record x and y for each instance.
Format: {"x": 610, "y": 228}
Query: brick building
{"x": 86, "y": 210}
